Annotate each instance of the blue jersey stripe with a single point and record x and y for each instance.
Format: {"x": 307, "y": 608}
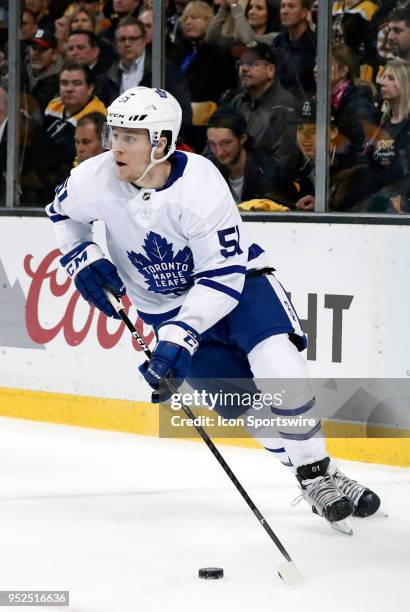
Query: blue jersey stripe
{"x": 275, "y": 450}
{"x": 294, "y": 411}
{"x": 57, "y": 218}
{"x": 222, "y": 271}
{"x": 219, "y": 287}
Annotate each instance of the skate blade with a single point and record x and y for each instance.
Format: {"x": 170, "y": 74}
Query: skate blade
{"x": 343, "y": 526}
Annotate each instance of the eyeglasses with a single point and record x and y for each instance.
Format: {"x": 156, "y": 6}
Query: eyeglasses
{"x": 251, "y": 63}
{"x": 131, "y": 39}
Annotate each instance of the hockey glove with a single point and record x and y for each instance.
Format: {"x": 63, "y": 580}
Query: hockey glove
{"x": 177, "y": 342}
{"x": 92, "y": 273}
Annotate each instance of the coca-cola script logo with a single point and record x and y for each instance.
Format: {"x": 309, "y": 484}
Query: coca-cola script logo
{"x": 45, "y": 277}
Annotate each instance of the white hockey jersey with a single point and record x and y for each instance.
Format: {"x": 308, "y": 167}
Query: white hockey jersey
{"x": 181, "y": 250}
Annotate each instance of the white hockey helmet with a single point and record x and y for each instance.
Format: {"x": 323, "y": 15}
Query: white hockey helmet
{"x": 148, "y": 108}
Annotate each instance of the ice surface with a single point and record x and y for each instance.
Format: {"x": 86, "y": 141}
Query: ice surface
{"x": 124, "y": 522}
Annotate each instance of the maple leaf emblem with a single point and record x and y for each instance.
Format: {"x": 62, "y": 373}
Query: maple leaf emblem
{"x": 163, "y": 272}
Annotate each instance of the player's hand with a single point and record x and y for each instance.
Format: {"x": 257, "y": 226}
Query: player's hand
{"x": 92, "y": 274}
{"x": 170, "y": 361}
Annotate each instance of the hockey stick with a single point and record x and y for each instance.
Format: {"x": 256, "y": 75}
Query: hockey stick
{"x": 286, "y": 570}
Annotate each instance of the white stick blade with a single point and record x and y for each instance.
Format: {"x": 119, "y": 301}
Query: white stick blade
{"x": 289, "y": 573}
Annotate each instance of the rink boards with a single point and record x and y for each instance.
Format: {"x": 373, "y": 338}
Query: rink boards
{"x": 60, "y": 361}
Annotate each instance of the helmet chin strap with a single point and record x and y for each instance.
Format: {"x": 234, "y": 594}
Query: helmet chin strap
{"x": 150, "y": 165}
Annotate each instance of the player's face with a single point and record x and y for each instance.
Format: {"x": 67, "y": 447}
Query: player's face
{"x": 390, "y": 89}
{"x": 292, "y": 13}
{"x": 132, "y": 152}
{"x": 399, "y": 37}
{"x": 306, "y": 137}
{"x": 87, "y": 143}
{"x": 225, "y": 145}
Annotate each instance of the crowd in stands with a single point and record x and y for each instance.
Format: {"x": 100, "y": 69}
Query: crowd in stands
{"x": 252, "y": 63}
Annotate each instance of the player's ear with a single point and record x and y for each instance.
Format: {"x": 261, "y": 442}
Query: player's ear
{"x": 162, "y": 146}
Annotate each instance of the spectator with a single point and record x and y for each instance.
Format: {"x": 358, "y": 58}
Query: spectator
{"x": 3, "y": 144}
{"x": 355, "y": 25}
{"x": 79, "y": 19}
{"x": 28, "y": 24}
{"x": 353, "y": 106}
{"x": 388, "y": 150}
{"x": 146, "y": 18}
{"x": 269, "y": 109}
{"x": 45, "y": 63}
{"x": 76, "y": 100}
{"x": 209, "y": 69}
{"x": 121, "y": 9}
{"x": 259, "y": 21}
{"x": 399, "y": 32}
{"x": 134, "y": 66}
{"x": 348, "y": 186}
{"x": 130, "y": 43}
{"x": 94, "y": 6}
{"x": 249, "y": 172}
{"x": 88, "y": 135}
{"x": 42, "y": 15}
{"x": 82, "y": 46}
{"x": 296, "y": 49}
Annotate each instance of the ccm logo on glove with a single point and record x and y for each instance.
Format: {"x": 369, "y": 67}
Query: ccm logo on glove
{"x": 92, "y": 274}
{"x": 170, "y": 361}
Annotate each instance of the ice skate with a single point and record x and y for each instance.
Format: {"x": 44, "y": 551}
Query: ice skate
{"x": 364, "y": 500}
{"x": 325, "y": 498}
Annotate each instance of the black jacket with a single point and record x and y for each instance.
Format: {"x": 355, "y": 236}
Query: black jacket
{"x": 356, "y": 116}
{"x": 295, "y": 63}
{"x": 271, "y": 122}
{"x": 211, "y": 71}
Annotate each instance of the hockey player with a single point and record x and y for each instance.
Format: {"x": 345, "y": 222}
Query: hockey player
{"x": 180, "y": 250}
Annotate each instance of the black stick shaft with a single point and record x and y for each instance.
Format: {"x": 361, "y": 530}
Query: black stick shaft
{"x": 212, "y": 447}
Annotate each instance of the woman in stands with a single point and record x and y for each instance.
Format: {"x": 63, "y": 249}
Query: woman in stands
{"x": 259, "y": 21}
{"x": 388, "y": 150}
{"x": 352, "y": 104}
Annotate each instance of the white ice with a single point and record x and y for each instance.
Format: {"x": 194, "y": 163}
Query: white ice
{"x": 124, "y": 522}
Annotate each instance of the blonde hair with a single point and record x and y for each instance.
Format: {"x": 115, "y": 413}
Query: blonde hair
{"x": 198, "y": 9}
{"x": 401, "y": 71}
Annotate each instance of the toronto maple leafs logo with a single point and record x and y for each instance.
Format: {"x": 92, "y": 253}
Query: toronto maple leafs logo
{"x": 163, "y": 272}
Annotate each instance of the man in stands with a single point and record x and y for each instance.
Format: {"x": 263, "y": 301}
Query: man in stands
{"x": 399, "y": 32}
{"x": 250, "y": 173}
{"x": 296, "y": 49}
{"x": 82, "y": 46}
{"x": 88, "y": 133}
{"x": 269, "y": 109}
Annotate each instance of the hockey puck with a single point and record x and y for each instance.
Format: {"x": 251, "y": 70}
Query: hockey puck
{"x": 211, "y": 573}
